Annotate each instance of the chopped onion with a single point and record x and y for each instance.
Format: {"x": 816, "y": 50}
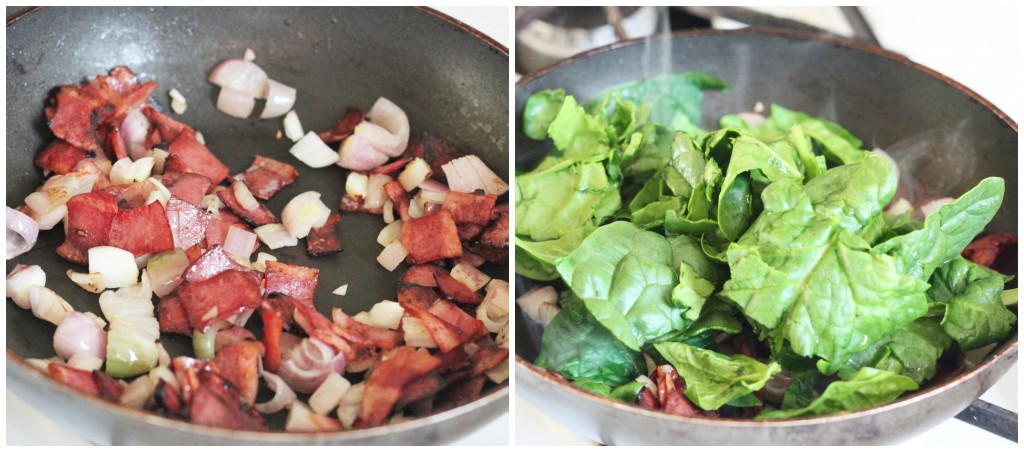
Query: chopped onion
{"x": 116, "y": 265}
{"x": 432, "y": 191}
{"x": 375, "y": 193}
{"x": 91, "y": 282}
{"x": 341, "y": 290}
{"x": 235, "y": 103}
{"x": 283, "y": 395}
{"x": 539, "y": 304}
{"x": 204, "y": 342}
{"x": 391, "y": 233}
{"x": 178, "y": 102}
{"x": 212, "y": 203}
{"x": 416, "y": 208}
{"x": 20, "y": 282}
{"x": 275, "y": 236}
{"x": 280, "y": 99}
{"x": 304, "y": 212}
{"x": 389, "y": 212}
{"x": 933, "y": 205}
{"x": 84, "y": 361}
{"x": 141, "y": 290}
{"x": 160, "y": 192}
{"x": 309, "y": 363}
{"x": 22, "y": 232}
{"x": 200, "y": 138}
{"x": 468, "y": 174}
{"x": 502, "y": 337}
{"x": 132, "y": 347}
{"x": 50, "y": 219}
{"x": 159, "y": 158}
{"x": 80, "y": 333}
{"x": 301, "y": 419}
{"x": 350, "y": 404}
{"x": 47, "y": 305}
{"x": 239, "y": 243}
{"x": 244, "y": 196}
{"x": 472, "y": 278}
{"x": 498, "y": 373}
{"x": 57, "y": 190}
{"x": 249, "y": 55}
{"x": 356, "y": 185}
{"x": 392, "y": 255}
{"x": 493, "y": 311}
{"x": 166, "y": 269}
{"x": 362, "y": 316}
{"x": 240, "y": 75}
{"x": 260, "y": 264}
{"x": 312, "y": 151}
{"x": 417, "y": 171}
{"x": 293, "y": 128}
{"x": 327, "y": 396}
{"x": 125, "y": 171}
{"x": 357, "y": 153}
{"x": 138, "y": 393}
{"x": 416, "y": 334}
{"x": 386, "y": 314}
{"x": 388, "y": 128}
{"x": 134, "y": 130}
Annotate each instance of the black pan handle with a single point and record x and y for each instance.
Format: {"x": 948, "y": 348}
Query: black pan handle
{"x": 991, "y": 418}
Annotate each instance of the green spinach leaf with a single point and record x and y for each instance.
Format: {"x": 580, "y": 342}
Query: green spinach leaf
{"x": 865, "y": 389}
{"x": 713, "y": 379}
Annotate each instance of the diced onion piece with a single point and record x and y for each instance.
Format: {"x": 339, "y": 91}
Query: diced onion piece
{"x": 389, "y": 212}
{"x": 502, "y": 337}
{"x": 235, "y": 103}
{"x": 239, "y": 243}
{"x": 160, "y": 191}
{"x": 493, "y": 311}
{"x": 301, "y": 419}
{"x": 141, "y": 290}
{"x": 80, "y": 334}
{"x": 280, "y": 99}
{"x": 498, "y": 373}
{"x": 358, "y": 153}
{"x": 50, "y": 219}
{"x": 350, "y": 404}
{"x": 244, "y": 196}
{"x": 165, "y": 271}
{"x": 433, "y": 191}
{"x": 159, "y": 158}
{"x": 204, "y": 342}
{"x": 932, "y": 206}
{"x": 356, "y": 185}
{"x": 125, "y": 171}
{"x": 391, "y": 233}
{"x": 416, "y": 335}
{"x": 275, "y": 236}
{"x": 341, "y": 290}
{"x": 312, "y": 151}
{"x": 260, "y": 264}
{"x": 22, "y": 232}
{"x": 327, "y": 396}
{"x": 134, "y": 130}
{"x": 416, "y": 208}
{"x": 471, "y": 277}
{"x": 20, "y": 282}
{"x": 240, "y": 75}
{"x": 249, "y": 55}
{"x": 392, "y": 255}
{"x": 57, "y": 190}
{"x": 900, "y": 207}
{"x": 304, "y": 212}
{"x": 293, "y": 128}
{"x": 91, "y": 282}
{"x": 415, "y": 172}
{"x": 283, "y": 395}
{"x": 43, "y": 365}
{"x": 376, "y": 196}
{"x": 386, "y": 314}
{"x": 468, "y": 174}
{"x": 539, "y": 304}
{"x": 47, "y": 305}
{"x": 178, "y": 102}
{"x": 116, "y": 265}
{"x": 200, "y": 138}
{"x": 138, "y": 393}
{"x": 362, "y": 316}
{"x": 212, "y": 203}
{"x": 388, "y": 128}
{"x": 83, "y": 361}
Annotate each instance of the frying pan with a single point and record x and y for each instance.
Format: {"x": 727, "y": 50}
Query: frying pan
{"x": 451, "y": 81}
{"x": 939, "y": 131}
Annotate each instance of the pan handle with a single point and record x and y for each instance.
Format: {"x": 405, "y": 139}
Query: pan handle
{"x": 991, "y": 418}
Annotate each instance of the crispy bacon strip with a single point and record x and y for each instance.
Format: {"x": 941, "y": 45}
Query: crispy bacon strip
{"x": 363, "y": 335}
{"x": 393, "y": 167}
{"x": 421, "y": 388}
{"x": 89, "y": 218}
{"x": 452, "y": 314}
{"x": 142, "y": 230}
{"x": 393, "y": 372}
{"x": 273, "y": 325}
{"x": 167, "y": 128}
{"x": 345, "y": 127}
{"x": 258, "y": 217}
{"x": 239, "y": 364}
{"x": 985, "y": 250}
{"x": 457, "y": 291}
{"x": 187, "y": 155}
{"x": 60, "y": 157}
{"x": 212, "y": 263}
{"x": 82, "y": 380}
{"x": 431, "y": 238}
{"x": 188, "y": 223}
{"x": 190, "y": 187}
{"x": 399, "y": 197}
{"x": 76, "y": 117}
{"x": 469, "y": 208}
{"x": 437, "y": 153}
{"x": 446, "y": 335}
{"x": 324, "y": 241}
{"x": 318, "y": 326}
{"x": 670, "y": 393}
{"x": 267, "y": 176}
{"x": 219, "y": 298}
{"x": 460, "y": 393}
{"x": 217, "y": 403}
{"x": 172, "y": 316}
{"x": 488, "y": 356}
{"x": 292, "y": 280}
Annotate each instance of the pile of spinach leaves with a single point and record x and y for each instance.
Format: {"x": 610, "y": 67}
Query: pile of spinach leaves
{"x": 667, "y": 236}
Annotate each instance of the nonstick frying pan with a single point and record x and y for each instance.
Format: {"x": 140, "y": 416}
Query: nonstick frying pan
{"x": 451, "y": 80}
{"x": 940, "y": 131}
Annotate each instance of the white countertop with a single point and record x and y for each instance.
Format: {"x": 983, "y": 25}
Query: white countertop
{"x": 976, "y": 46}
{"x": 26, "y": 426}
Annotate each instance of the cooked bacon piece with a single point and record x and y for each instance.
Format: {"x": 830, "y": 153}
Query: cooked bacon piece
{"x": 239, "y": 364}
{"x": 292, "y": 280}
{"x": 318, "y": 326}
{"x": 187, "y": 369}
{"x": 60, "y": 157}
{"x": 188, "y": 223}
{"x": 219, "y": 226}
{"x": 446, "y": 335}
{"x": 985, "y": 250}
{"x": 421, "y": 275}
{"x": 498, "y": 210}
{"x": 431, "y": 238}
{"x": 115, "y": 146}
{"x": 172, "y": 316}
{"x": 168, "y": 128}
{"x": 436, "y": 152}
{"x": 459, "y": 393}
{"x": 267, "y": 176}
{"x": 187, "y": 155}
{"x": 488, "y": 355}
{"x": 217, "y": 403}
{"x": 273, "y": 325}
{"x": 469, "y": 207}
{"x": 258, "y": 217}
{"x": 142, "y": 230}
{"x": 76, "y": 117}
{"x": 350, "y": 204}
{"x": 457, "y": 291}
{"x": 121, "y": 89}
{"x": 421, "y": 388}
{"x": 647, "y": 400}
{"x": 363, "y": 335}
{"x": 452, "y": 361}
{"x": 468, "y": 231}
{"x": 491, "y": 253}
{"x": 133, "y": 195}
{"x": 89, "y": 219}
{"x": 471, "y": 259}
{"x": 670, "y": 393}
{"x": 393, "y": 167}
{"x": 399, "y": 197}
{"x": 393, "y": 372}
{"x": 324, "y": 240}
{"x": 417, "y": 295}
{"x": 496, "y": 235}
{"x": 345, "y": 127}
{"x": 219, "y": 298}
{"x": 212, "y": 263}
{"x": 232, "y": 335}
{"x": 82, "y": 380}
{"x": 471, "y": 326}
{"x": 190, "y": 187}
{"x": 110, "y": 388}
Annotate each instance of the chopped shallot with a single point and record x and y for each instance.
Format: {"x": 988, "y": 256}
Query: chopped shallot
{"x": 539, "y": 304}
{"x": 80, "y": 333}
{"x": 386, "y": 314}
{"x": 240, "y": 75}
{"x": 280, "y": 99}
{"x": 304, "y": 212}
{"x": 414, "y": 174}
{"x": 117, "y": 266}
{"x": 416, "y": 334}
{"x": 283, "y": 395}
{"x": 342, "y": 290}
{"x": 301, "y": 419}
{"x": 236, "y": 103}
{"x": 125, "y": 171}
{"x": 358, "y": 153}
{"x": 293, "y": 128}
{"x": 309, "y": 363}
{"x": 327, "y": 396}
{"x": 356, "y": 185}
{"x": 394, "y": 253}
{"x": 468, "y": 174}
{"x": 22, "y": 232}
{"x": 275, "y": 236}
{"x": 239, "y": 243}
{"x": 20, "y": 282}
{"x": 244, "y": 196}
{"x": 178, "y": 102}
{"x": 47, "y": 305}
{"x": 312, "y": 151}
